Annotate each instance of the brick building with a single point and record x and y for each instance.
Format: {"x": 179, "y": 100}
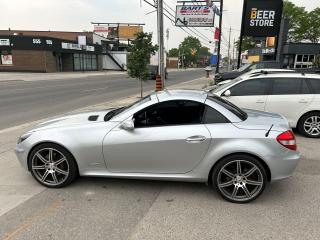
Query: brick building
{"x": 50, "y": 51}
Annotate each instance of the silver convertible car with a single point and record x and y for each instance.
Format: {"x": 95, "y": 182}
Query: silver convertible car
{"x": 180, "y": 135}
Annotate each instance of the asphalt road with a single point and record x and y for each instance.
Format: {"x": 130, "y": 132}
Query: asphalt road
{"x": 25, "y": 101}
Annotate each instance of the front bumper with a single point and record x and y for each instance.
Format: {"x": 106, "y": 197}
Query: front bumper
{"x": 22, "y": 155}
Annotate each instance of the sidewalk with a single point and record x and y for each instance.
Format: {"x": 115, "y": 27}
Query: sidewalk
{"x": 17, "y": 185}
{"x": 27, "y": 76}
{"x": 19, "y": 76}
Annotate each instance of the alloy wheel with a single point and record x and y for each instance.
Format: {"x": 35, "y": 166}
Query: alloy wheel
{"x": 240, "y": 180}
{"x": 50, "y": 166}
{"x": 312, "y": 125}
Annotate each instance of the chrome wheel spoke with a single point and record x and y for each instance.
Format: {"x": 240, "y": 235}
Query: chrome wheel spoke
{"x": 43, "y": 167}
{"x": 60, "y": 161}
{"x": 246, "y": 191}
{"x": 235, "y": 191}
{"x": 45, "y": 175}
{"x": 50, "y": 155}
{"x": 226, "y": 184}
{"x": 54, "y": 177}
{"x": 251, "y": 171}
{"x": 58, "y": 170}
{"x": 42, "y": 159}
{"x": 226, "y": 172}
{"x": 255, "y": 183}
{"x": 238, "y": 167}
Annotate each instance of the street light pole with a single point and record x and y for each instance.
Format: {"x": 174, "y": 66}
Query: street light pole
{"x": 161, "y": 41}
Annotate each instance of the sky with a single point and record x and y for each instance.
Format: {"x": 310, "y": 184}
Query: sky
{"x": 77, "y": 15}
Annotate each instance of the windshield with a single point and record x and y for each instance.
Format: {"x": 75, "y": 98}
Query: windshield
{"x": 229, "y": 106}
{"x": 224, "y": 86}
{"x": 117, "y": 111}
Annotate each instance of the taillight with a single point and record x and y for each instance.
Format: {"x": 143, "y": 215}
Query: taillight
{"x": 288, "y": 140}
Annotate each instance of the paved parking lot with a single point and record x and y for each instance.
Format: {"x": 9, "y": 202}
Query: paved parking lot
{"x": 93, "y": 208}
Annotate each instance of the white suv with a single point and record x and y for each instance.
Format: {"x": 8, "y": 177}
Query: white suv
{"x": 295, "y": 96}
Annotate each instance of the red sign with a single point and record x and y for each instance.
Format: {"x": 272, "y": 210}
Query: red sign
{"x": 217, "y": 34}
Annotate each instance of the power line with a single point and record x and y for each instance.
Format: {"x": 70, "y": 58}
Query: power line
{"x": 179, "y": 26}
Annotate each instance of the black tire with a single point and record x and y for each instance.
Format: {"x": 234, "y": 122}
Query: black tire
{"x": 65, "y": 172}
{"x": 239, "y": 184}
{"x": 307, "y": 119}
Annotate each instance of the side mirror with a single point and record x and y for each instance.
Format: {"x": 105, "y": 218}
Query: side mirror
{"x": 227, "y": 93}
{"x": 128, "y": 125}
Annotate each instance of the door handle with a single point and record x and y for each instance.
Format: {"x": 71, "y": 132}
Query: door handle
{"x": 259, "y": 101}
{"x": 303, "y": 101}
{"x": 195, "y": 139}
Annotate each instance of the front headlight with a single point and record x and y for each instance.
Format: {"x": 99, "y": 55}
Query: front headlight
{"x": 24, "y": 137}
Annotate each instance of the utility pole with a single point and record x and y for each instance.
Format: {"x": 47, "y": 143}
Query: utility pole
{"x": 220, "y": 28}
{"x": 229, "y": 46}
{"x": 241, "y": 33}
{"x": 161, "y": 41}
{"x": 167, "y": 36}
{"x": 233, "y": 51}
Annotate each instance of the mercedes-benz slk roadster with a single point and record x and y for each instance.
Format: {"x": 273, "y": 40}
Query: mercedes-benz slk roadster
{"x": 179, "y": 135}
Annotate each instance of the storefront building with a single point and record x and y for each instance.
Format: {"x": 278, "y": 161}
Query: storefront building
{"x": 48, "y": 51}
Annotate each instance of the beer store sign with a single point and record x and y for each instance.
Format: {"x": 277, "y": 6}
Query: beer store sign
{"x": 262, "y": 18}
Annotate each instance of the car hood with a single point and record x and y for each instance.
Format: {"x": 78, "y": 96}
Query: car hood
{"x": 258, "y": 120}
{"x": 73, "y": 119}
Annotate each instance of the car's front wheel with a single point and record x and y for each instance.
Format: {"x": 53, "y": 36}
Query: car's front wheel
{"x": 239, "y": 178}
{"x": 309, "y": 125}
{"x": 52, "y": 165}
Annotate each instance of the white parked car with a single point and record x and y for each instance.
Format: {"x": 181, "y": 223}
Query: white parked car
{"x": 254, "y": 72}
{"x": 296, "y": 96}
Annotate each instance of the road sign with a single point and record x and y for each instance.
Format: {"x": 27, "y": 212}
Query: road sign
{"x": 194, "y": 16}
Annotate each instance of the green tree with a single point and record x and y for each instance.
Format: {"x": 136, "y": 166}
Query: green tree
{"x": 316, "y": 62}
{"x": 204, "y": 52}
{"x": 190, "y": 48}
{"x": 173, "y": 52}
{"x": 298, "y": 21}
{"x": 247, "y": 43}
{"x": 313, "y": 29}
{"x": 303, "y": 25}
{"x": 139, "y": 57}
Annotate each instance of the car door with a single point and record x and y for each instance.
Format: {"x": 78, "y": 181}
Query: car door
{"x": 168, "y": 137}
{"x": 249, "y": 94}
{"x": 289, "y": 97}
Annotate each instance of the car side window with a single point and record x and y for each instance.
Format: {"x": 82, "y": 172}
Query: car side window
{"x": 213, "y": 116}
{"x": 176, "y": 112}
{"x": 289, "y": 86}
{"x": 315, "y": 84}
{"x": 250, "y": 88}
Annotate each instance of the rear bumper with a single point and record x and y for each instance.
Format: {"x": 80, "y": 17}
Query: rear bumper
{"x": 284, "y": 167}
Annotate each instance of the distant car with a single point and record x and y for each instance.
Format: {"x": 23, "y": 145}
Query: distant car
{"x": 293, "y": 95}
{"x": 219, "y": 77}
{"x": 179, "y": 135}
{"x": 154, "y": 71}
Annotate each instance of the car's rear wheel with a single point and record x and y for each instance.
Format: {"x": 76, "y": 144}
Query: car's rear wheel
{"x": 239, "y": 178}
{"x": 309, "y": 125}
{"x": 52, "y": 165}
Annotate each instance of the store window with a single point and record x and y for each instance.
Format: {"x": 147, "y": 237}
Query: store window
{"x": 85, "y": 62}
{"x": 6, "y": 58}
{"x": 304, "y": 61}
